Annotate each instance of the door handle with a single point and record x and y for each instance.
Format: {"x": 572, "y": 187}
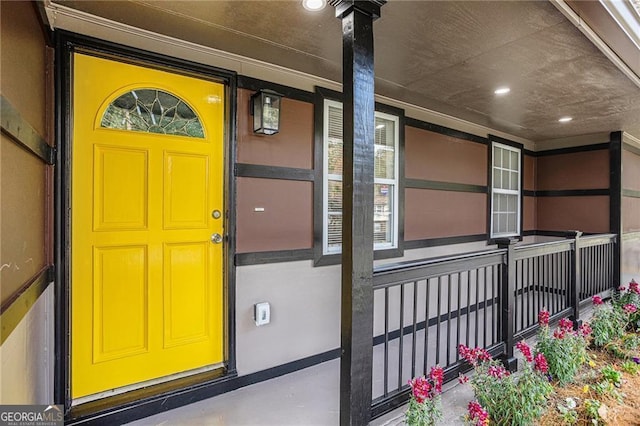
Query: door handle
{"x": 216, "y": 238}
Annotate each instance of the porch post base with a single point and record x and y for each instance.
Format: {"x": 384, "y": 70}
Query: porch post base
{"x": 509, "y": 362}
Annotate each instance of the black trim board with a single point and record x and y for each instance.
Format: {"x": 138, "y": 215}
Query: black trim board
{"x": 14, "y": 309}
{"x": 570, "y": 150}
{"x": 444, "y": 186}
{"x": 443, "y": 241}
{"x": 18, "y": 129}
{"x": 273, "y": 172}
{"x": 264, "y": 257}
{"x": 163, "y": 402}
{"x": 447, "y": 131}
{"x": 573, "y": 193}
{"x": 250, "y": 83}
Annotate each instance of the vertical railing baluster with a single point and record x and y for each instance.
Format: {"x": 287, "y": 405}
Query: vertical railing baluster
{"x": 459, "y": 313}
{"x": 468, "y": 307}
{"x": 476, "y": 339}
{"x": 438, "y": 314}
{"x": 449, "y": 319}
{"x": 486, "y": 308}
{"x": 386, "y": 341}
{"x": 415, "y": 327}
{"x": 401, "y": 341}
{"x": 575, "y": 265}
{"x": 426, "y": 327}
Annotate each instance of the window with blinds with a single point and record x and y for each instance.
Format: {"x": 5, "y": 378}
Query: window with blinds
{"x": 385, "y": 209}
{"x": 505, "y": 191}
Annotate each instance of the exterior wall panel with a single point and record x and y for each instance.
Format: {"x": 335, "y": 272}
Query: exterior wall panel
{"x": 287, "y": 219}
{"x": 291, "y": 147}
{"x": 26, "y": 355}
{"x": 630, "y": 171}
{"x": 630, "y": 214}
{"x": 579, "y": 170}
{"x": 529, "y": 173}
{"x": 433, "y": 214}
{"x": 23, "y": 217}
{"x": 587, "y": 214}
{"x": 529, "y": 211}
{"x": 433, "y": 156}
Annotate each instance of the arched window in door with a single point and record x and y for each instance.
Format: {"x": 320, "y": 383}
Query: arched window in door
{"x": 152, "y": 111}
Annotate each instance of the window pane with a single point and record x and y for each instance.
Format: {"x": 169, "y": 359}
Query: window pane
{"x": 334, "y": 196}
{"x": 497, "y": 157}
{"x": 383, "y": 214}
{"x": 334, "y": 156}
{"x": 514, "y": 164}
{"x": 511, "y": 224}
{"x": 385, "y": 148}
{"x": 497, "y": 178}
{"x": 505, "y": 179}
{"x": 514, "y": 181}
{"x": 334, "y": 215}
{"x": 152, "y": 111}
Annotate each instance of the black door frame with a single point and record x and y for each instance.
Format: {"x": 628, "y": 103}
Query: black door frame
{"x": 143, "y": 402}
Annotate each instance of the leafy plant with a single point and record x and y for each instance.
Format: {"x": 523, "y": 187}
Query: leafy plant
{"x": 565, "y": 349}
{"x": 506, "y": 399}
{"x": 627, "y": 302}
{"x": 425, "y": 405}
{"x": 568, "y": 411}
{"x": 608, "y": 324}
{"x": 592, "y": 407}
{"x": 612, "y": 375}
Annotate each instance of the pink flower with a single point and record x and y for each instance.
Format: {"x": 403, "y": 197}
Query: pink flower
{"x": 597, "y": 300}
{"x": 584, "y": 330}
{"x": 565, "y": 324}
{"x": 420, "y": 388}
{"x": 477, "y": 414}
{"x": 462, "y": 379}
{"x": 473, "y": 356}
{"x": 633, "y": 287}
{"x": 498, "y": 372}
{"x": 437, "y": 377}
{"x": 540, "y": 363}
{"x": 621, "y": 288}
{"x": 543, "y": 317}
{"x": 560, "y": 333}
{"x": 525, "y": 350}
{"x": 630, "y": 308}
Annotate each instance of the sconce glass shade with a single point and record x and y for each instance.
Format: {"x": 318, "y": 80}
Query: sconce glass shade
{"x": 265, "y": 107}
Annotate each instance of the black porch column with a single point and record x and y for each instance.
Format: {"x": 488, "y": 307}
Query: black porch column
{"x": 357, "y": 208}
{"x": 615, "y": 202}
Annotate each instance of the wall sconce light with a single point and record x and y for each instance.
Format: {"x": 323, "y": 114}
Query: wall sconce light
{"x": 265, "y": 108}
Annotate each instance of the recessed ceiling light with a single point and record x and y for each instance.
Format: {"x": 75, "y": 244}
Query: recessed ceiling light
{"x": 314, "y": 5}
{"x": 565, "y": 119}
{"x": 502, "y": 91}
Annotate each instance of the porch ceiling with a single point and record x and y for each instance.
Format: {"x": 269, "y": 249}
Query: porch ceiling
{"x": 447, "y": 56}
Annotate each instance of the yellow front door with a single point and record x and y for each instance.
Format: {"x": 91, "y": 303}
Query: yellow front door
{"x": 146, "y": 199}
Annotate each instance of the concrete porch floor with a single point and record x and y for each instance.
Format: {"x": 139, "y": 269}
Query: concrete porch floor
{"x": 306, "y": 397}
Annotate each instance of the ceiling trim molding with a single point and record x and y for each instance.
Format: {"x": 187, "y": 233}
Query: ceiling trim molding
{"x": 575, "y": 19}
{"x": 66, "y": 18}
{"x": 627, "y": 18}
{"x": 630, "y": 139}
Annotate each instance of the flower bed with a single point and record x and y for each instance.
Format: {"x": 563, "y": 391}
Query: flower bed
{"x": 586, "y": 375}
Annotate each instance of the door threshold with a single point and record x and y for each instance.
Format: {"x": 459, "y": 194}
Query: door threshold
{"x": 117, "y": 391}
{"x": 142, "y": 401}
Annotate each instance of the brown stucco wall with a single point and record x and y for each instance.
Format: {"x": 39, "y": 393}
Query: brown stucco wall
{"x": 587, "y": 214}
{"x": 432, "y": 156}
{"x": 287, "y": 220}
{"x": 291, "y": 147}
{"x": 435, "y": 214}
{"x": 579, "y": 170}
{"x": 630, "y": 214}
{"x": 22, "y": 175}
{"x": 530, "y": 214}
{"x": 529, "y": 173}
{"x": 630, "y": 171}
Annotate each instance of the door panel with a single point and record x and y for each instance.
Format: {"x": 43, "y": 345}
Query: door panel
{"x": 147, "y": 171}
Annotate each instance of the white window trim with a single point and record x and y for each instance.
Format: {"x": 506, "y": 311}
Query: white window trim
{"x": 495, "y": 190}
{"x": 326, "y": 177}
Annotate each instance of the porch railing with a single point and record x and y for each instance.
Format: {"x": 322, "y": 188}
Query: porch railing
{"x": 424, "y": 309}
